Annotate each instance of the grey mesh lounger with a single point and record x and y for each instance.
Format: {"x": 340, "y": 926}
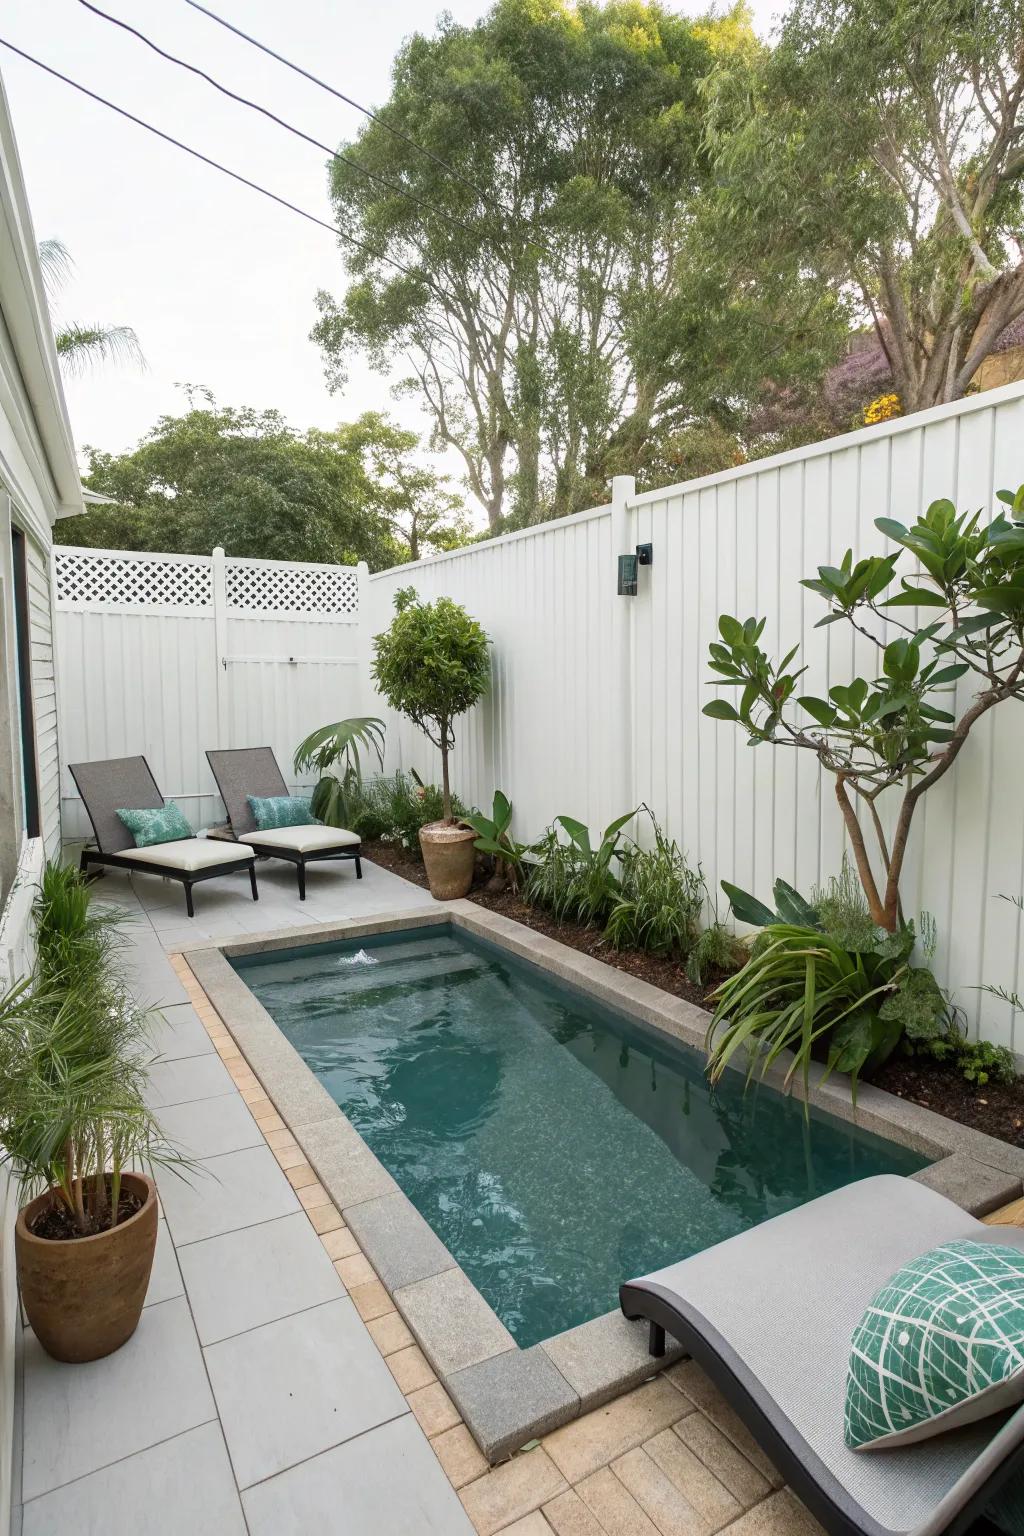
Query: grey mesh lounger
{"x": 769, "y": 1315}
{"x": 127, "y": 783}
{"x": 244, "y": 771}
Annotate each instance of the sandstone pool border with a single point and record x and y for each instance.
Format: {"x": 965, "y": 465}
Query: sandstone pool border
{"x": 509, "y": 1396}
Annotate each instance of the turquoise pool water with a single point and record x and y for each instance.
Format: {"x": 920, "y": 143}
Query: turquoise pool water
{"x": 556, "y": 1147}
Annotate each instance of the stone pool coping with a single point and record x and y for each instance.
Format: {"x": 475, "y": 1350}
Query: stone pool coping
{"x": 509, "y": 1396}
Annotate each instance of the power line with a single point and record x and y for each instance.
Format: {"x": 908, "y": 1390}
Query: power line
{"x": 299, "y": 133}
{"x": 374, "y": 117}
{"x": 226, "y": 171}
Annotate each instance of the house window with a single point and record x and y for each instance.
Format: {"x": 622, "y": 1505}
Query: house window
{"x": 23, "y": 656}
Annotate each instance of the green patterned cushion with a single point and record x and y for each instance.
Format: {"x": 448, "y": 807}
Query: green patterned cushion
{"x": 166, "y": 825}
{"x": 941, "y": 1345}
{"x": 281, "y": 811}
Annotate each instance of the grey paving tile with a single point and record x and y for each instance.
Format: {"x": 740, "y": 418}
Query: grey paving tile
{"x": 245, "y": 1279}
{"x": 514, "y": 1397}
{"x": 165, "y": 1280}
{"x": 401, "y": 1246}
{"x": 79, "y": 1418}
{"x": 606, "y": 1357}
{"x": 209, "y": 1127}
{"x": 150, "y": 974}
{"x": 452, "y": 1321}
{"x": 183, "y": 1485}
{"x": 194, "y": 1077}
{"x": 178, "y": 1031}
{"x": 226, "y": 1193}
{"x": 386, "y": 1483}
{"x": 296, "y": 1387}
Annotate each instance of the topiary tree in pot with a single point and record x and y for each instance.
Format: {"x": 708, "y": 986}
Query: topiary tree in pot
{"x": 432, "y": 665}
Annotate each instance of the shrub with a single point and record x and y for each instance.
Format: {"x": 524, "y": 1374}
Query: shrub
{"x": 850, "y": 994}
{"x": 716, "y": 952}
{"x": 432, "y": 664}
{"x": 659, "y": 901}
{"x": 392, "y": 809}
{"x": 978, "y": 1061}
{"x": 575, "y": 880}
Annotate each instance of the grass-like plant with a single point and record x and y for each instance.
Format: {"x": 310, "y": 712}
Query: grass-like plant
{"x": 393, "y": 807}
{"x": 575, "y": 880}
{"x": 660, "y": 899}
{"x": 715, "y": 952}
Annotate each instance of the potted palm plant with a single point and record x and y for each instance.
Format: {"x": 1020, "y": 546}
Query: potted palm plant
{"x": 432, "y": 665}
{"x": 77, "y": 1133}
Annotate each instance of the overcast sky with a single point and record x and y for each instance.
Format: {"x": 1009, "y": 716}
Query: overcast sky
{"x": 217, "y": 281}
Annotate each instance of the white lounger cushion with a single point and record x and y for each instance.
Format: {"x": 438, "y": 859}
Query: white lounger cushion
{"x": 310, "y": 839}
{"x": 787, "y": 1295}
{"x": 189, "y": 853}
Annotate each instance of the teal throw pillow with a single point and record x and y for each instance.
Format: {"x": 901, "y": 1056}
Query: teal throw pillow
{"x": 281, "y": 811}
{"x": 167, "y": 824}
{"x": 941, "y": 1345}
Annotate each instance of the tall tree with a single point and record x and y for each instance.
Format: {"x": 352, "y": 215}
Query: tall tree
{"x": 543, "y": 315}
{"x": 423, "y": 513}
{"x": 244, "y": 479}
{"x": 79, "y": 346}
{"x": 880, "y": 146}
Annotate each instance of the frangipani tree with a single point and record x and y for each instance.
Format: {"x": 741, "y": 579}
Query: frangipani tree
{"x": 894, "y": 731}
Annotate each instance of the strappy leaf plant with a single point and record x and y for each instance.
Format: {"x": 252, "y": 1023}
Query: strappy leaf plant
{"x": 494, "y": 838}
{"x": 902, "y": 729}
{"x": 576, "y": 880}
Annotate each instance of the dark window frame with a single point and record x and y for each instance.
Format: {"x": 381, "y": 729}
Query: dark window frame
{"x": 26, "y": 711}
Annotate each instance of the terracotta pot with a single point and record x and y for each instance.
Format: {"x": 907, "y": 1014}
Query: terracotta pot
{"x": 449, "y": 856}
{"x": 84, "y": 1296}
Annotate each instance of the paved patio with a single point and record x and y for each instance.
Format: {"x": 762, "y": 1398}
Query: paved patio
{"x": 272, "y": 1387}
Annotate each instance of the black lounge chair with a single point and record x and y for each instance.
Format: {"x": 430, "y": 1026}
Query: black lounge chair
{"x": 244, "y": 771}
{"x": 127, "y": 783}
{"x": 769, "y": 1315}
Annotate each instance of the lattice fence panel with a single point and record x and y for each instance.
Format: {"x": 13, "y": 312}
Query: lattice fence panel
{"x": 106, "y": 580}
{"x": 326, "y": 590}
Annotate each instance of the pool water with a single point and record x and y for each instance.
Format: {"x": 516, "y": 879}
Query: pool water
{"x": 556, "y": 1147}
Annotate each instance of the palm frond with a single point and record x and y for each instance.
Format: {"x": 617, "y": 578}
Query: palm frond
{"x": 56, "y": 265}
{"x": 81, "y": 347}
{"x": 341, "y": 742}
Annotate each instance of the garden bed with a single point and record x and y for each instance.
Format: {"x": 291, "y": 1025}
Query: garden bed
{"x": 997, "y": 1108}
{"x": 660, "y": 971}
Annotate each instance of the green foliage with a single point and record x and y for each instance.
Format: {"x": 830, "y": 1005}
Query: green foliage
{"x": 81, "y": 347}
{"x": 333, "y": 751}
{"x": 571, "y": 327}
{"x": 73, "y": 1063}
{"x": 392, "y": 809}
{"x": 891, "y": 731}
{"x": 494, "y": 838}
{"x": 574, "y": 880}
{"x": 823, "y": 979}
{"x": 715, "y": 952}
{"x": 978, "y": 1061}
{"x": 875, "y": 150}
{"x": 660, "y": 899}
{"x": 432, "y": 665}
{"x": 247, "y": 481}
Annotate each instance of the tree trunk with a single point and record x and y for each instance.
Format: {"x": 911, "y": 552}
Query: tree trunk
{"x": 446, "y": 796}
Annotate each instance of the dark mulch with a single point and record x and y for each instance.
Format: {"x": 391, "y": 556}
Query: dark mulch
{"x": 997, "y": 1109}
{"x": 658, "y": 970}
{"x": 57, "y": 1224}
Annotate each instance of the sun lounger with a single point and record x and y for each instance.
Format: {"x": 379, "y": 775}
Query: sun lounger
{"x": 127, "y": 783}
{"x": 244, "y": 771}
{"x": 770, "y": 1314}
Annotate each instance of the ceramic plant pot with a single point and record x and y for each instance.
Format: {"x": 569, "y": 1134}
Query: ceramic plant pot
{"x": 83, "y": 1296}
{"x": 449, "y": 856}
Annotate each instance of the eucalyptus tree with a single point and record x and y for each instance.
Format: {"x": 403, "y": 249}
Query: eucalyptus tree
{"x": 539, "y": 313}
{"x": 880, "y": 147}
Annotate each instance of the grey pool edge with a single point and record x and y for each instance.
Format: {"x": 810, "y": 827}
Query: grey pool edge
{"x": 509, "y": 1396}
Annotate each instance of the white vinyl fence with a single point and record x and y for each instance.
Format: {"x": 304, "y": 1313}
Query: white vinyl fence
{"x": 169, "y": 655}
{"x": 596, "y": 699}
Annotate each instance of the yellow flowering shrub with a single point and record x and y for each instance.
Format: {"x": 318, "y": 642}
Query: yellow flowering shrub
{"x": 882, "y": 408}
